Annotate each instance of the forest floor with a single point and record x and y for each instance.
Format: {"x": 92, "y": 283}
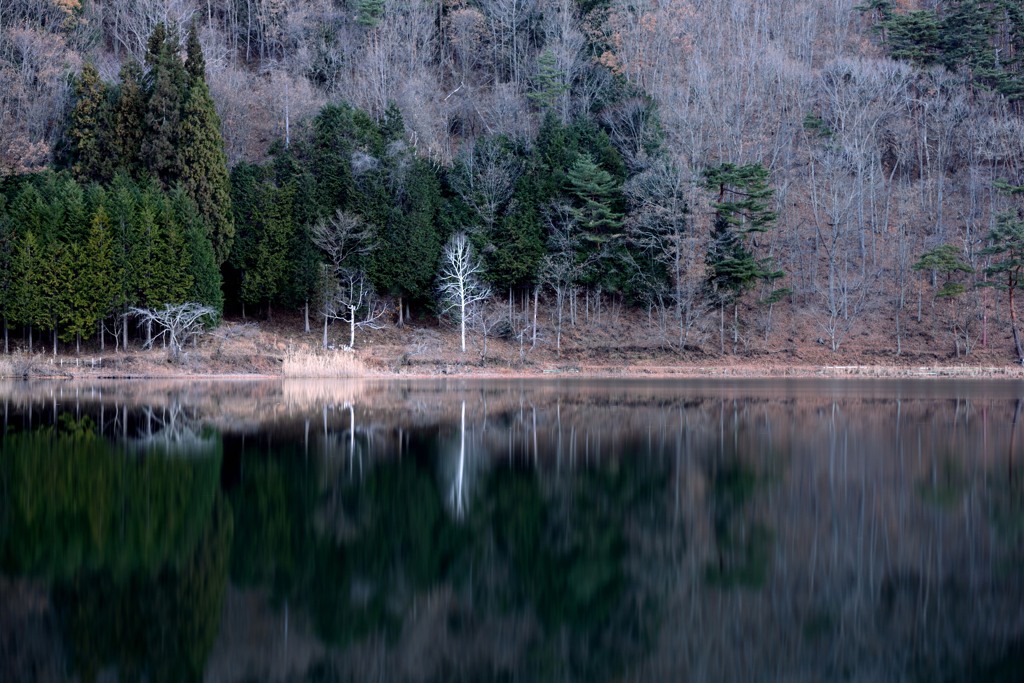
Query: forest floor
{"x": 622, "y": 344}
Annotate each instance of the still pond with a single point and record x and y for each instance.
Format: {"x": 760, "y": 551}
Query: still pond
{"x": 801, "y": 530}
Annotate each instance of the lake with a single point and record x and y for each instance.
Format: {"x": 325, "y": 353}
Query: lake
{"x": 798, "y": 530}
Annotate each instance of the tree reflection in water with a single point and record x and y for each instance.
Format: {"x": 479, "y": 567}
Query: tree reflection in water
{"x": 518, "y": 531}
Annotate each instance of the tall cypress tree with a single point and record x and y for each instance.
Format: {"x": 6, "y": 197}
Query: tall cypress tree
{"x": 129, "y": 119}
{"x": 27, "y": 296}
{"x": 92, "y": 157}
{"x": 206, "y": 282}
{"x": 202, "y": 162}
{"x": 167, "y": 88}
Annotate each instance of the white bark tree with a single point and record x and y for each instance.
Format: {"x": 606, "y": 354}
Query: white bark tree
{"x": 348, "y": 296}
{"x": 461, "y": 289}
{"x": 178, "y": 324}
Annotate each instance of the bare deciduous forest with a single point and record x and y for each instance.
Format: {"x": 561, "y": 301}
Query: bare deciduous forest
{"x": 741, "y": 174}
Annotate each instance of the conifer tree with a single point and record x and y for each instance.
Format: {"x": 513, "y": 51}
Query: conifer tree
{"x": 167, "y": 88}
{"x": 129, "y": 119}
{"x": 92, "y": 157}
{"x": 742, "y": 208}
{"x": 206, "y": 281}
{"x": 8, "y": 246}
{"x": 202, "y": 162}
{"x": 98, "y": 274}
{"x": 27, "y": 295}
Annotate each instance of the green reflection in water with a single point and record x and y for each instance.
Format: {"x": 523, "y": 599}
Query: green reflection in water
{"x": 151, "y": 627}
{"x": 136, "y": 547}
{"x": 73, "y": 502}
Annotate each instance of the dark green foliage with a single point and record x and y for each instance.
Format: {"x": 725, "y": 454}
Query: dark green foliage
{"x": 206, "y": 281}
{"x": 732, "y": 268}
{"x": 28, "y": 307}
{"x": 369, "y": 12}
{"x": 201, "y": 162}
{"x": 405, "y": 230}
{"x": 596, "y": 196}
{"x": 1006, "y": 249}
{"x": 914, "y": 37}
{"x": 945, "y": 260}
{"x": 518, "y": 245}
{"x": 129, "y": 119}
{"x": 742, "y": 203}
{"x": 167, "y": 87}
{"x": 265, "y": 212}
{"x": 984, "y": 39}
{"x": 743, "y": 196}
{"x": 92, "y": 148}
{"x": 548, "y": 84}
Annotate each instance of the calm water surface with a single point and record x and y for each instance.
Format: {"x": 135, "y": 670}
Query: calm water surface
{"x": 512, "y": 531}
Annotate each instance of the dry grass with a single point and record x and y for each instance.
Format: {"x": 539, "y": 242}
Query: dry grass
{"x": 323, "y": 364}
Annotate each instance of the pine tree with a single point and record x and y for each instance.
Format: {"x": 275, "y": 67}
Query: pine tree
{"x": 369, "y": 12}
{"x": 548, "y": 84}
{"x": 596, "y": 195}
{"x": 92, "y": 157}
{"x": 742, "y": 209}
{"x": 202, "y": 162}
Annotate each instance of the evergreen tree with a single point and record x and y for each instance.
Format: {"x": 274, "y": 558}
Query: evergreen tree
{"x": 202, "y": 162}
{"x": 98, "y": 274}
{"x": 742, "y": 208}
{"x": 369, "y": 12}
{"x": 206, "y": 280}
{"x": 409, "y": 243}
{"x": 549, "y": 82}
{"x": 167, "y": 88}
{"x": 1006, "y": 247}
{"x": 518, "y": 244}
{"x": 262, "y": 260}
{"x": 92, "y": 157}
{"x": 596, "y": 196}
{"x": 129, "y": 119}
{"x": 8, "y": 248}
{"x": 27, "y": 306}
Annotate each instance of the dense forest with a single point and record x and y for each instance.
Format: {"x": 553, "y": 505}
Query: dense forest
{"x": 718, "y": 165}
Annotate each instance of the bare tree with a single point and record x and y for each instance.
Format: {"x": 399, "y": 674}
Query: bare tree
{"x": 461, "y": 289}
{"x": 348, "y": 296}
{"x": 178, "y": 323}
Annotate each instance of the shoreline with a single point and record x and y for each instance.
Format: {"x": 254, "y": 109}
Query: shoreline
{"x": 581, "y": 372}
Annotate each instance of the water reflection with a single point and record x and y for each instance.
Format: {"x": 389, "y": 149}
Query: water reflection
{"x": 511, "y": 530}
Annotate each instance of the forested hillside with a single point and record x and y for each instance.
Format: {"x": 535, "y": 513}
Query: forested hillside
{"x": 742, "y": 174}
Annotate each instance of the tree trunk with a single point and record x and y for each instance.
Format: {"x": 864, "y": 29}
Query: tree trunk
{"x": 78, "y": 343}
{"x": 7, "y": 345}
{"x": 351, "y": 327}
{"x": 721, "y": 328}
{"x": 305, "y": 314}
{"x": 462, "y": 323}
{"x": 124, "y": 324}
{"x": 1013, "y": 324}
{"x": 401, "y": 311}
{"x": 30, "y": 339}
{"x": 536, "y": 296}
{"x": 103, "y": 338}
{"x": 55, "y": 340}
{"x": 325, "y": 331}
